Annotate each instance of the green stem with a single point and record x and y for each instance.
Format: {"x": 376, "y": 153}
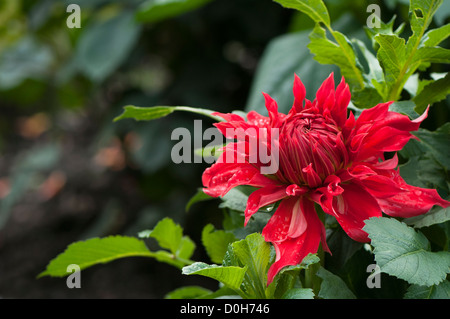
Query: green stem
{"x": 311, "y": 279}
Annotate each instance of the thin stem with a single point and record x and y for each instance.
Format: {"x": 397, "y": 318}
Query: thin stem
{"x": 311, "y": 279}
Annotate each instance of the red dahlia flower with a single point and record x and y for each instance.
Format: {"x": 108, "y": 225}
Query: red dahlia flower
{"x": 325, "y": 158}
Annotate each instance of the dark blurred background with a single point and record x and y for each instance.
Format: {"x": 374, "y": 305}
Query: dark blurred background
{"x": 68, "y": 172}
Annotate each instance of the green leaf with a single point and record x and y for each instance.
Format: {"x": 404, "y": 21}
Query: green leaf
{"x": 210, "y": 151}
{"x": 156, "y": 112}
{"x": 431, "y": 55}
{"x": 200, "y": 196}
{"x": 402, "y": 252}
{"x": 254, "y": 253}
{"x": 231, "y": 276}
{"x": 153, "y": 11}
{"x": 419, "y": 23}
{"x": 436, "y": 36}
{"x": 188, "y": 292}
{"x": 404, "y": 107}
{"x": 441, "y": 291}
{"x": 167, "y": 233}
{"x": 332, "y": 286}
{"x": 235, "y": 199}
{"x": 104, "y": 45}
{"x": 340, "y": 53}
{"x": 299, "y": 293}
{"x": 170, "y": 236}
{"x": 288, "y": 277}
{"x": 392, "y": 56}
{"x": 315, "y": 9}
{"x": 216, "y": 242}
{"x": 435, "y": 143}
{"x": 436, "y": 215}
{"x": 431, "y": 92}
{"x": 96, "y": 251}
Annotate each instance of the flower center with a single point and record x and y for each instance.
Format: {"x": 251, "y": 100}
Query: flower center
{"x": 311, "y": 148}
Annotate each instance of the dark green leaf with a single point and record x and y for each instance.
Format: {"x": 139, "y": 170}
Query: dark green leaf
{"x": 157, "y": 10}
{"x": 432, "y": 92}
{"x": 402, "y": 252}
{"x": 104, "y": 45}
{"x": 200, "y": 196}
{"x": 436, "y": 215}
{"x": 332, "y": 286}
{"x": 299, "y": 293}
{"x": 441, "y": 291}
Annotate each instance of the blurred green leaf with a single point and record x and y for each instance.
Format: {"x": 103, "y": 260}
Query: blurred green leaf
{"x": 153, "y": 11}
{"x": 104, "y": 45}
{"x": 28, "y": 58}
{"x": 275, "y": 73}
{"x": 200, "y": 196}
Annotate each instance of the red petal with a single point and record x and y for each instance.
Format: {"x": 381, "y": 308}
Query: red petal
{"x": 257, "y": 119}
{"x": 221, "y": 177}
{"x": 229, "y": 117}
{"x": 263, "y": 197}
{"x": 312, "y": 178}
{"x": 376, "y": 113}
{"x": 351, "y": 209}
{"x": 381, "y": 186}
{"x": 291, "y": 251}
{"x": 413, "y": 201}
{"x": 272, "y": 108}
{"x": 299, "y": 95}
{"x": 343, "y": 97}
{"x": 325, "y": 96}
{"x": 402, "y": 122}
{"x": 387, "y": 164}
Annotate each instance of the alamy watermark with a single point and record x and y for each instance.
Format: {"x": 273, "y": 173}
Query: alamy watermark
{"x": 252, "y": 145}
{"x": 74, "y": 279}
{"x": 374, "y": 279}
{"x": 74, "y": 19}
{"x": 374, "y": 19}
